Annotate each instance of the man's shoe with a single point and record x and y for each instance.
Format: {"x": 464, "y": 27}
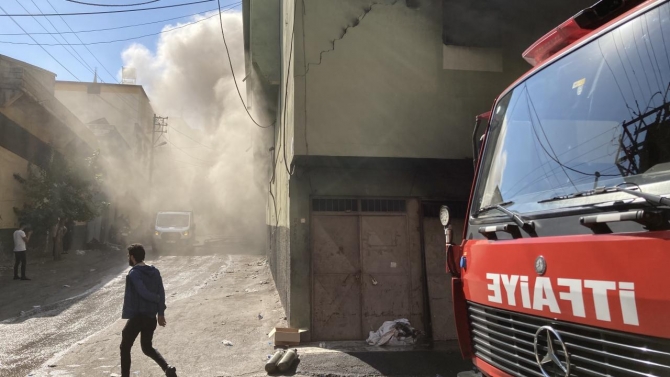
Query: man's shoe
{"x": 171, "y": 372}
{"x": 16, "y": 278}
{"x": 25, "y": 278}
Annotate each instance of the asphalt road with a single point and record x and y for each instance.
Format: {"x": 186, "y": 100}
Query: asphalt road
{"x": 213, "y": 298}
{"x": 33, "y": 339}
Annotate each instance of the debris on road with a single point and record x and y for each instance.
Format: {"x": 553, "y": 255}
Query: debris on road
{"x": 271, "y": 365}
{"x": 287, "y": 360}
{"x": 260, "y": 316}
{"x": 227, "y": 343}
{"x": 285, "y": 336}
{"x": 394, "y": 333}
{"x": 66, "y": 286}
{"x": 249, "y": 290}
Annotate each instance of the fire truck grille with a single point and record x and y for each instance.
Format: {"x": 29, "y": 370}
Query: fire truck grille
{"x": 505, "y": 340}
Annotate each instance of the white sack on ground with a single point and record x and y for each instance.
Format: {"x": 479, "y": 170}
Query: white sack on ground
{"x": 393, "y": 333}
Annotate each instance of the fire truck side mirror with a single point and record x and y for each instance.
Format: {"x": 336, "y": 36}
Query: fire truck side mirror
{"x": 445, "y": 219}
{"x": 448, "y": 234}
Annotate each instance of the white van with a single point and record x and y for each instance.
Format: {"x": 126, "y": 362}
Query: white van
{"x": 174, "y": 229}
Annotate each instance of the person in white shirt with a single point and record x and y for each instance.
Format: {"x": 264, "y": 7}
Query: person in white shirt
{"x": 20, "y": 241}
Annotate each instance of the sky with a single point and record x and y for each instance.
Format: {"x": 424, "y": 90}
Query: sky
{"x": 215, "y": 160}
{"x": 78, "y": 65}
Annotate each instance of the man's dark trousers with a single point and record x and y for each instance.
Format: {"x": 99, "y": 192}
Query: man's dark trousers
{"x": 136, "y": 325}
{"x": 20, "y": 258}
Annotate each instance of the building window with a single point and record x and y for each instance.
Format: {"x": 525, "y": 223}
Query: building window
{"x": 359, "y": 205}
{"x": 335, "y": 205}
{"x": 383, "y": 205}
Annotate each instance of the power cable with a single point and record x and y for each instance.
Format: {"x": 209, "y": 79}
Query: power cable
{"x": 31, "y": 37}
{"x": 232, "y": 71}
{"x": 174, "y": 129}
{"x": 119, "y": 27}
{"x": 83, "y": 63}
{"x": 111, "y": 41}
{"x": 184, "y": 152}
{"x": 87, "y": 49}
{"x": 112, "y": 5}
{"x": 288, "y": 71}
{"x": 105, "y": 12}
{"x": 279, "y": 135}
{"x": 553, "y": 154}
{"x": 132, "y": 106}
{"x": 80, "y": 59}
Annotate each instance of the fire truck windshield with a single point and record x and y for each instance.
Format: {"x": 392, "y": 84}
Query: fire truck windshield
{"x": 599, "y": 116}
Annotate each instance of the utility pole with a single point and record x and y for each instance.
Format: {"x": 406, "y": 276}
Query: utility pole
{"x": 159, "y": 127}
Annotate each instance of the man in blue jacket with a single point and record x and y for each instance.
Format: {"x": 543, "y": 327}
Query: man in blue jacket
{"x": 143, "y": 301}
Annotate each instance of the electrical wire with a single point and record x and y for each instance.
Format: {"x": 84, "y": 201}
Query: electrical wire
{"x": 43, "y": 48}
{"x": 130, "y": 105}
{"x": 57, "y": 61}
{"x": 184, "y": 152}
{"x": 553, "y": 154}
{"x": 87, "y": 49}
{"x": 78, "y": 59}
{"x": 288, "y": 71}
{"x": 232, "y": 71}
{"x": 112, "y": 5}
{"x": 114, "y": 40}
{"x": 192, "y": 139}
{"x": 279, "y": 137}
{"x": 61, "y": 35}
{"x": 105, "y": 12}
{"x": 119, "y": 27}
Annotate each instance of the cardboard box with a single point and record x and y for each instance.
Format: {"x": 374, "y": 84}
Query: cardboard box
{"x": 286, "y": 336}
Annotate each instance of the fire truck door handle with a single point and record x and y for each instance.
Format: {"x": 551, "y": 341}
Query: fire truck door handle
{"x": 490, "y": 231}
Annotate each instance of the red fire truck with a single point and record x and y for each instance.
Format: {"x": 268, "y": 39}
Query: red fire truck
{"x": 564, "y": 268}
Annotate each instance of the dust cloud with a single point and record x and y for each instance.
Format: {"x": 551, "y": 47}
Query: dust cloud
{"x": 215, "y": 162}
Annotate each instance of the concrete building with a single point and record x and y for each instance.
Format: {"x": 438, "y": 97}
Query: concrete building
{"x": 375, "y": 106}
{"x": 121, "y": 117}
{"x": 126, "y": 107}
{"x": 33, "y": 124}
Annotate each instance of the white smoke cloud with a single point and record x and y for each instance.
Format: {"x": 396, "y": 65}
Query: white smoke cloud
{"x": 188, "y": 79}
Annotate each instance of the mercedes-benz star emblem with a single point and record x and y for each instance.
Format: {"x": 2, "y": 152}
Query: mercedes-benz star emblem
{"x": 552, "y": 356}
{"x": 540, "y": 265}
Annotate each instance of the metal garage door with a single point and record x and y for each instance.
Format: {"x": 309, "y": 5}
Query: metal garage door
{"x": 336, "y": 278}
{"x": 361, "y": 266}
